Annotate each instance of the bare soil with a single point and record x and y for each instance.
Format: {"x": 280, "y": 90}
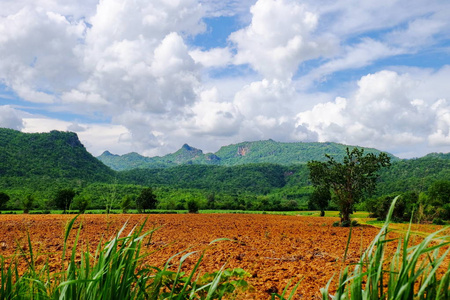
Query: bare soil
{"x": 273, "y": 249}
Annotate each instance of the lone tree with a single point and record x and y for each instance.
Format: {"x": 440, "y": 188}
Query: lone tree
{"x": 3, "y": 199}
{"x": 350, "y": 180}
{"x": 64, "y": 198}
{"x": 320, "y": 198}
{"x": 146, "y": 200}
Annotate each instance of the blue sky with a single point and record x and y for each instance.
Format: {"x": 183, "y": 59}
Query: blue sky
{"x": 149, "y": 76}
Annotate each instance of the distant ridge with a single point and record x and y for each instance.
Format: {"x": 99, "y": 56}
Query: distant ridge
{"x": 268, "y": 151}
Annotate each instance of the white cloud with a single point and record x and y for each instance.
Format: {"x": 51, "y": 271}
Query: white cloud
{"x": 214, "y": 117}
{"x": 10, "y": 118}
{"x": 217, "y": 57}
{"x": 279, "y": 38}
{"x": 384, "y": 112}
{"x": 355, "y": 56}
{"x": 134, "y": 63}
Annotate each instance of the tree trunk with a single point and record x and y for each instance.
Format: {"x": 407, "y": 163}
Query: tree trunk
{"x": 346, "y": 211}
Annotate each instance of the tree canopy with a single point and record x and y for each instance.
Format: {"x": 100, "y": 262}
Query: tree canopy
{"x": 146, "y": 200}
{"x": 3, "y": 199}
{"x": 64, "y": 198}
{"x": 350, "y": 180}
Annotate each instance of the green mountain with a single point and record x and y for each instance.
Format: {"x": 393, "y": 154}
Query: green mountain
{"x": 51, "y": 155}
{"x": 237, "y": 154}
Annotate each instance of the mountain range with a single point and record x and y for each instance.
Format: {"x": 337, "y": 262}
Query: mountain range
{"x": 268, "y": 151}
{"x": 42, "y": 163}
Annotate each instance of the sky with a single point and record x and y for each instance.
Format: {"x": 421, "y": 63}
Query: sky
{"x": 149, "y": 76}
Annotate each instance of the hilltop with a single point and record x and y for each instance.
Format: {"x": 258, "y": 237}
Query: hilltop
{"x": 268, "y": 151}
{"x": 51, "y": 155}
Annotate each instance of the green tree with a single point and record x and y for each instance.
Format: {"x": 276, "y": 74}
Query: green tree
{"x": 125, "y": 204}
{"x": 64, "y": 198}
{"x": 28, "y": 204}
{"x": 349, "y": 180}
{"x": 439, "y": 193}
{"x": 146, "y": 200}
{"x": 192, "y": 206}
{"x": 3, "y": 199}
{"x": 320, "y": 198}
{"x": 81, "y": 203}
{"x": 211, "y": 200}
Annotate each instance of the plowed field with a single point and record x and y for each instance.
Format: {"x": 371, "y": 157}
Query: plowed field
{"x": 274, "y": 249}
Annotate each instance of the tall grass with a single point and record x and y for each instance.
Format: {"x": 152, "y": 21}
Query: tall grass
{"x": 115, "y": 271}
{"x": 411, "y": 272}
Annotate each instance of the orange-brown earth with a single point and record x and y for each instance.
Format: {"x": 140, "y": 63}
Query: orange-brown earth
{"x": 273, "y": 249}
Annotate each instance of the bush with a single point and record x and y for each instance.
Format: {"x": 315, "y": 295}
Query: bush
{"x": 81, "y": 203}
{"x": 438, "y": 221}
{"x": 28, "y": 204}
{"x": 336, "y": 224}
{"x": 355, "y": 223}
{"x": 192, "y": 206}
{"x": 345, "y": 223}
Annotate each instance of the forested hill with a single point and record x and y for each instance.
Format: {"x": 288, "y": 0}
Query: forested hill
{"x": 237, "y": 154}
{"x": 53, "y": 155}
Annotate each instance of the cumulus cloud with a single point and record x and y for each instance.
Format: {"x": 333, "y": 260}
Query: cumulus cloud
{"x": 37, "y": 49}
{"x": 134, "y": 64}
{"x": 384, "y": 112}
{"x": 10, "y": 118}
{"x": 217, "y": 57}
{"x": 279, "y": 38}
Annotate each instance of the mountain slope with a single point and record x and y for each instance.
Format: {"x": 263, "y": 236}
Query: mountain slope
{"x": 53, "y": 155}
{"x": 237, "y": 154}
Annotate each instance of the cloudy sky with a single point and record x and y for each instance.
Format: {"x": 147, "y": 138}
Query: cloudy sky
{"x": 149, "y": 76}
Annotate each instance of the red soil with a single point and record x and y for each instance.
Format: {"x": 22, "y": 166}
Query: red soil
{"x": 273, "y": 249}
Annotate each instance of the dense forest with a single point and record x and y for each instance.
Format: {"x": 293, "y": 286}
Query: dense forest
{"x": 37, "y": 167}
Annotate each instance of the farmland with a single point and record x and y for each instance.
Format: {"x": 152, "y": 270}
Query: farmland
{"x": 273, "y": 249}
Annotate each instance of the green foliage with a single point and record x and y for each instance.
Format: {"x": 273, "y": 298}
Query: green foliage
{"x": 192, "y": 206}
{"x": 53, "y": 155}
{"x": 349, "y": 180}
{"x": 81, "y": 203}
{"x": 319, "y": 199}
{"x": 28, "y": 204}
{"x": 406, "y": 204}
{"x": 3, "y": 199}
{"x": 146, "y": 200}
{"x": 439, "y": 193}
{"x": 126, "y": 203}
{"x": 414, "y": 174}
{"x": 63, "y": 199}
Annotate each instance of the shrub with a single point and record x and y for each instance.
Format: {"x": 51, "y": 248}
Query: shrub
{"x": 336, "y": 224}
{"x": 438, "y": 221}
{"x": 28, "y": 204}
{"x": 345, "y": 223}
{"x": 192, "y": 206}
{"x": 355, "y": 223}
